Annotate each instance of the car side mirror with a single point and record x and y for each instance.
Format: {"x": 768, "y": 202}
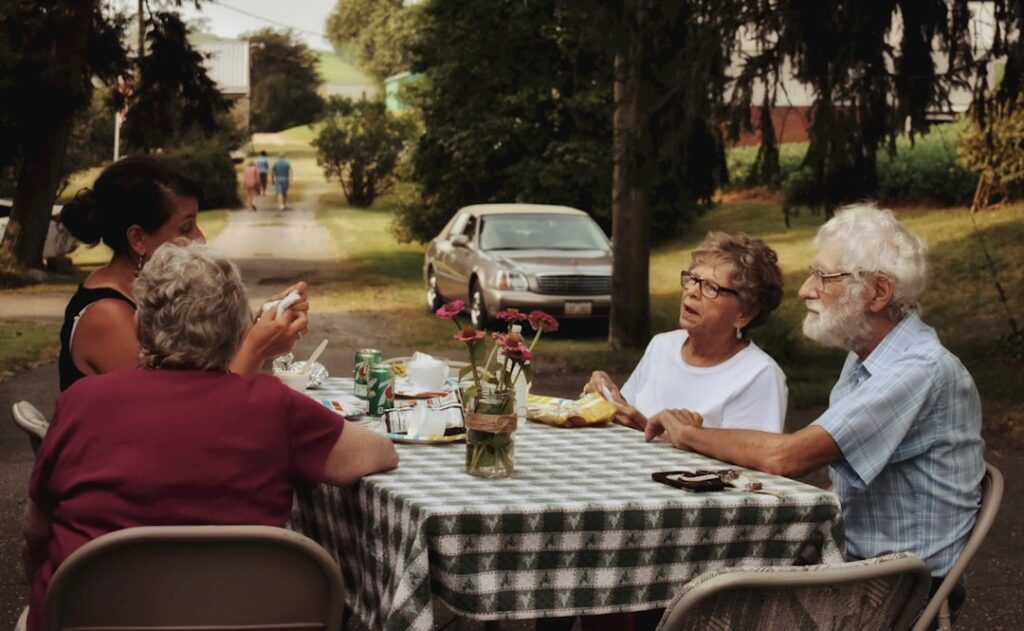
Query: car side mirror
{"x": 460, "y": 240}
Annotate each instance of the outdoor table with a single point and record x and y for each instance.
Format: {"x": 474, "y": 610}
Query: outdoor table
{"x": 580, "y": 528}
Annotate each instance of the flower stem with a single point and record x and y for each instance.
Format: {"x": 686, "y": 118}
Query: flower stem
{"x": 536, "y": 336}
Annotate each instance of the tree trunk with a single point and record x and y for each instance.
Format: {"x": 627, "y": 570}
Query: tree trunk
{"x": 42, "y": 158}
{"x": 629, "y": 326}
{"x": 38, "y": 179}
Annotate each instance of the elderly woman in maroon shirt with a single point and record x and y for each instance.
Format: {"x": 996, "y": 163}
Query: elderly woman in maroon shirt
{"x": 180, "y": 440}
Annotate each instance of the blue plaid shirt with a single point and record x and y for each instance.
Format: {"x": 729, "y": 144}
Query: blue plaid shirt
{"x": 908, "y": 421}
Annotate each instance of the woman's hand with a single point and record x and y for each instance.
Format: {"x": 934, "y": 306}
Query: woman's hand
{"x": 670, "y": 423}
{"x": 602, "y": 384}
{"x": 629, "y": 416}
{"x": 268, "y": 337}
{"x": 300, "y": 288}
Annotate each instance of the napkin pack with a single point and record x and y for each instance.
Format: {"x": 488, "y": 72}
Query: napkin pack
{"x": 427, "y": 415}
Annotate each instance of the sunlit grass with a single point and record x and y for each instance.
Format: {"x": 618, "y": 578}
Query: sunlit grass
{"x": 335, "y": 70}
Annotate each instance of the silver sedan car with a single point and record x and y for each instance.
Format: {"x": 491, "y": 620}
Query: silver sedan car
{"x": 526, "y": 256}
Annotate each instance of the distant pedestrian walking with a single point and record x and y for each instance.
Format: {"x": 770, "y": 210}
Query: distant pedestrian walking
{"x": 263, "y": 166}
{"x": 282, "y": 174}
{"x": 252, "y": 185}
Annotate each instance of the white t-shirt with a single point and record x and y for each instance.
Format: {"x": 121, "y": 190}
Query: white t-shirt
{"x": 747, "y": 391}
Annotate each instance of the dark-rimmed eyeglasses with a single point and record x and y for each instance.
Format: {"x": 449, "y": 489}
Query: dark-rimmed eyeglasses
{"x": 708, "y": 288}
{"x": 824, "y": 277}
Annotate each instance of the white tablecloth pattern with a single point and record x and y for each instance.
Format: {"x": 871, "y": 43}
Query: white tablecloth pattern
{"x": 581, "y": 528}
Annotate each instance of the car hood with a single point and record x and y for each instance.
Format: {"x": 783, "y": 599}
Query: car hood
{"x": 556, "y": 261}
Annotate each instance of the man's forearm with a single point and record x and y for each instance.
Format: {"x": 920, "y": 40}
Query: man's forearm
{"x": 748, "y": 448}
{"x": 789, "y": 455}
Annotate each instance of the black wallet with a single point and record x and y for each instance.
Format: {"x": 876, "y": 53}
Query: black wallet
{"x": 693, "y": 481}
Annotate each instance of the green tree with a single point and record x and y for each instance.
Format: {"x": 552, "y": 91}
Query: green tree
{"x": 359, "y": 146}
{"x": 173, "y": 94}
{"x": 49, "y": 55}
{"x": 377, "y": 33}
{"x": 867, "y": 87}
{"x": 285, "y": 80}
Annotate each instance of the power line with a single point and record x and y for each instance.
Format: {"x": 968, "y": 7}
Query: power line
{"x": 224, "y": 5}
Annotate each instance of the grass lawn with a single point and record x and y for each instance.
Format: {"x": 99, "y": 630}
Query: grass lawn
{"x": 25, "y": 344}
{"x": 335, "y": 70}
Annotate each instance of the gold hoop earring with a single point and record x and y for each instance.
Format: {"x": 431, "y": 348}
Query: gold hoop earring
{"x": 138, "y": 268}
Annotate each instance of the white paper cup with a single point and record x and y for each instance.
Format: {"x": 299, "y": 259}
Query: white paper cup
{"x": 428, "y": 375}
{"x": 294, "y": 380}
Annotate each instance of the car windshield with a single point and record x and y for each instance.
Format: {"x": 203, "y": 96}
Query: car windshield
{"x": 541, "y": 232}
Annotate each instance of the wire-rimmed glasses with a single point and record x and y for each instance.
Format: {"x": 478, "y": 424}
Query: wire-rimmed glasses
{"x": 824, "y": 277}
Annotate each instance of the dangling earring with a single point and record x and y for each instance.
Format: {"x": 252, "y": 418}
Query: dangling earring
{"x": 138, "y": 268}
{"x": 739, "y": 333}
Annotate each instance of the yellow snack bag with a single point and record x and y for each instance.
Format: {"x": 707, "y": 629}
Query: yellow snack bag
{"x": 591, "y": 409}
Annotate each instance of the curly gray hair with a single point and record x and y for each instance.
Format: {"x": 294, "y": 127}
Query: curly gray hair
{"x": 874, "y": 242}
{"x": 192, "y": 308}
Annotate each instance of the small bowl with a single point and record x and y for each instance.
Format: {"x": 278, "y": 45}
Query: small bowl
{"x": 294, "y": 380}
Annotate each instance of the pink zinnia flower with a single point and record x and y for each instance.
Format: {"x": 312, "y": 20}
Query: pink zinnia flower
{"x": 470, "y": 334}
{"x": 518, "y": 353}
{"x": 450, "y": 310}
{"x": 512, "y": 315}
{"x": 541, "y": 321}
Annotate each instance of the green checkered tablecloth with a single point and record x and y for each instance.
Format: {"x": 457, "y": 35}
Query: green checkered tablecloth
{"x": 579, "y": 529}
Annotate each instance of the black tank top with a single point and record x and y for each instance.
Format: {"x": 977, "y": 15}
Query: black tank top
{"x": 84, "y": 297}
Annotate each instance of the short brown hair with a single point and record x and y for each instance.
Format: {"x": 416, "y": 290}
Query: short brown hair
{"x": 756, "y": 274}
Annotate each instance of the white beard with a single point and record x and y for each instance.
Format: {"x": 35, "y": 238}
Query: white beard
{"x": 843, "y": 326}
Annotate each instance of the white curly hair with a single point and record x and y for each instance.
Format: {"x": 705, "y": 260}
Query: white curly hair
{"x": 192, "y": 308}
{"x": 872, "y": 241}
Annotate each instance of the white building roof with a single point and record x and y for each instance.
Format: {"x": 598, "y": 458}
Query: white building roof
{"x": 228, "y": 64}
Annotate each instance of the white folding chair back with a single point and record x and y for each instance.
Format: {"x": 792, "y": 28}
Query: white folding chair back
{"x": 991, "y": 498}
{"x": 30, "y": 420}
{"x": 874, "y": 594}
{"x": 196, "y": 577}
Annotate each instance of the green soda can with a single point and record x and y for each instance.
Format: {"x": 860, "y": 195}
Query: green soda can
{"x": 366, "y": 359}
{"x": 380, "y": 390}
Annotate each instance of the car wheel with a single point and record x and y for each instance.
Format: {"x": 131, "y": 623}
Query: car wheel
{"x": 477, "y": 308}
{"x": 434, "y": 299}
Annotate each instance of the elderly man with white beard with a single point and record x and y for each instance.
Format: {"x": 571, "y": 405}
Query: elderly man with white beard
{"x": 902, "y": 434}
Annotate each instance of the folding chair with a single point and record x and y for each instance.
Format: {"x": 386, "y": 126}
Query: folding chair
{"x": 991, "y": 497}
{"x": 196, "y": 577}
{"x": 874, "y": 594}
{"x": 30, "y": 420}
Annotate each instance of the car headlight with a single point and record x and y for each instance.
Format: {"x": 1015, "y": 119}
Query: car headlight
{"x": 511, "y": 280}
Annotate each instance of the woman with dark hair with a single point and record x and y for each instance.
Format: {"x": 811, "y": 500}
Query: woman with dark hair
{"x": 136, "y": 205}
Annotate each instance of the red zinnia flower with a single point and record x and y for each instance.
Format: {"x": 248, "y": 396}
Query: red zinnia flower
{"x": 512, "y": 315}
{"x": 450, "y": 310}
{"x": 541, "y": 321}
{"x": 470, "y": 334}
{"x": 518, "y": 353}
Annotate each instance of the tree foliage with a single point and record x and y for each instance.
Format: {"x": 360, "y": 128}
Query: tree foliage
{"x": 284, "y": 81}
{"x": 360, "y": 145}
{"x": 173, "y": 94}
{"x": 377, "y": 33}
{"x": 50, "y": 53}
{"x": 871, "y": 67}
{"x": 994, "y": 150}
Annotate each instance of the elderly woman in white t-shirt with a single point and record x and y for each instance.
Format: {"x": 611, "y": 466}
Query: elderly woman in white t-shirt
{"x": 709, "y": 371}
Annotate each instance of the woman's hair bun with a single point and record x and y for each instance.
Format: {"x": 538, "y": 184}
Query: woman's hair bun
{"x": 81, "y": 217}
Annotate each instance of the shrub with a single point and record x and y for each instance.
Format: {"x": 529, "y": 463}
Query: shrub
{"x": 925, "y": 171}
{"x": 995, "y": 150}
{"x": 208, "y": 163}
{"x": 359, "y": 145}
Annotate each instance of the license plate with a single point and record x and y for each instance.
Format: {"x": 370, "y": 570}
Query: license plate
{"x": 578, "y": 308}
